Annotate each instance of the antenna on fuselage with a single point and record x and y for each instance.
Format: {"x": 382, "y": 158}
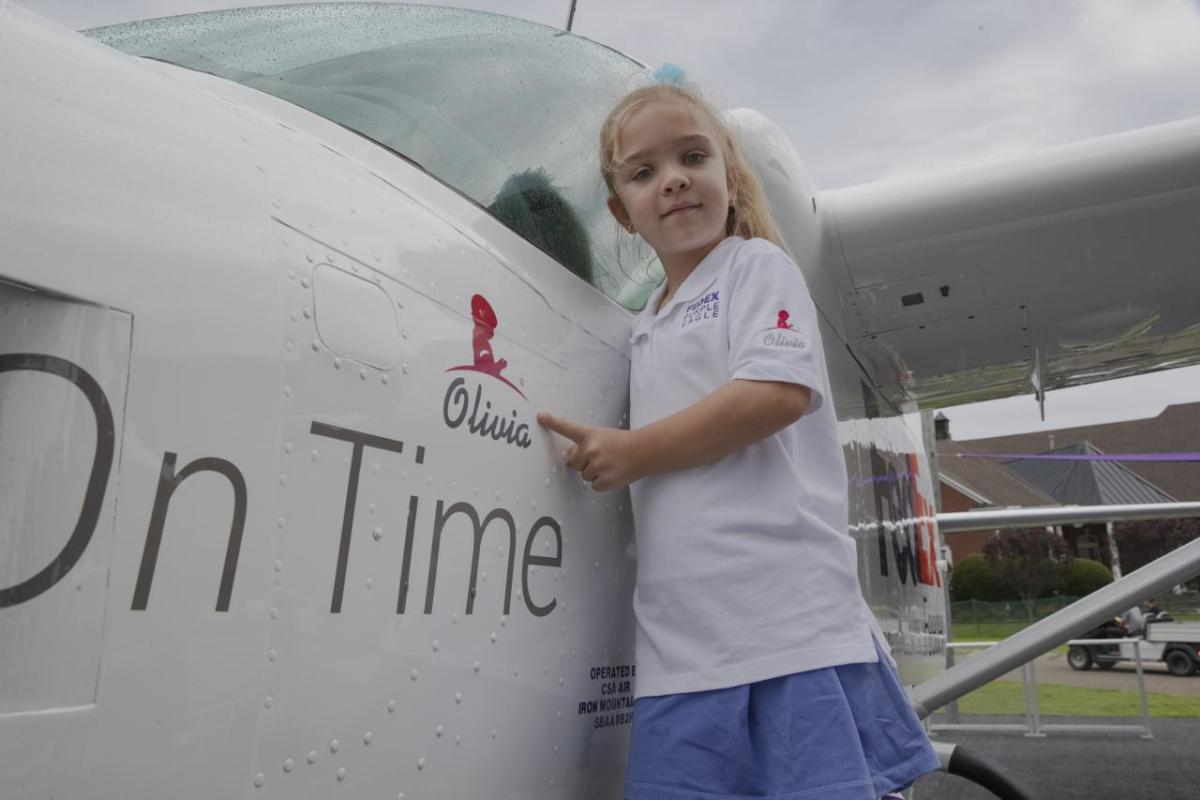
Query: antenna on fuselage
{"x": 571, "y": 15}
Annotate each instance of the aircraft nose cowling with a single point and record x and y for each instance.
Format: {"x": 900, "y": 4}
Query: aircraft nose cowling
{"x": 788, "y": 187}
{"x": 791, "y": 196}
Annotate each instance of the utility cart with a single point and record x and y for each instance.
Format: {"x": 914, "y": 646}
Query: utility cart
{"x": 1177, "y": 644}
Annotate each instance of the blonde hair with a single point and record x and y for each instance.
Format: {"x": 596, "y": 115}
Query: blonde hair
{"x": 749, "y": 216}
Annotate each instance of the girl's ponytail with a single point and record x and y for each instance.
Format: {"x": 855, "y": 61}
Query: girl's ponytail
{"x": 749, "y": 217}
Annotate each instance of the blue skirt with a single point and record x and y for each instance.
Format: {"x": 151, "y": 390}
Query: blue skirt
{"x": 839, "y": 733}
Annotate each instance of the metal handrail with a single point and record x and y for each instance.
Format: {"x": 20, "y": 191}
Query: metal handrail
{"x": 989, "y": 519}
{"x": 1155, "y": 578}
{"x": 1033, "y": 725}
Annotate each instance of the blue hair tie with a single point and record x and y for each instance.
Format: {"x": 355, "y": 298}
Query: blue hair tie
{"x": 670, "y": 74}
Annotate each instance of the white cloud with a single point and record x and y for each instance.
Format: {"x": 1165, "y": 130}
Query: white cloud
{"x": 1130, "y": 398}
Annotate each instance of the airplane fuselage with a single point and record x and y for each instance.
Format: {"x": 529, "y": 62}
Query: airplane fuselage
{"x": 278, "y": 515}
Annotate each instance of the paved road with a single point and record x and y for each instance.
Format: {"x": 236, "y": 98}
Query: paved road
{"x": 1082, "y": 765}
{"x": 1052, "y": 668}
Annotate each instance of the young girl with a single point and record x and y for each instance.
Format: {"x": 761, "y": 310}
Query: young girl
{"x": 759, "y": 675}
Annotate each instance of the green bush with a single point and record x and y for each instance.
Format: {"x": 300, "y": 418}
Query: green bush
{"x": 1086, "y": 576}
{"x": 972, "y": 579}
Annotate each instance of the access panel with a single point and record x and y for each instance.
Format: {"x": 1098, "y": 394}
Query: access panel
{"x": 64, "y": 367}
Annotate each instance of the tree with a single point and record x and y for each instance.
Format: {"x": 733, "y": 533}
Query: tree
{"x": 1028, "y": 561}
{"x": 972, "y": 579}
{"x": 1085, "y": 577}
{"x": 1142, "y": 541}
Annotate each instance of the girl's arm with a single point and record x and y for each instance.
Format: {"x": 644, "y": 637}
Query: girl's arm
{"x": 734, "y": 416}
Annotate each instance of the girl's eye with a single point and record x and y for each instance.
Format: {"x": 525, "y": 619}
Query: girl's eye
{"x": 694, "y": 157}
{"x": 640, "y": 174}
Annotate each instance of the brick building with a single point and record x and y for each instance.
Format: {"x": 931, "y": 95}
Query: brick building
{"x": 976, "y": 483}
{"x": 968, "y": 483}
{"x": 1176, "y": 429}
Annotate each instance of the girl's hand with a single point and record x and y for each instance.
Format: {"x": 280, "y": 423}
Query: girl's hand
{"x": 606, "y": 457}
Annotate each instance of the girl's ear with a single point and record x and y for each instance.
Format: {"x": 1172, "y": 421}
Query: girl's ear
{"x": 617, "y": 208}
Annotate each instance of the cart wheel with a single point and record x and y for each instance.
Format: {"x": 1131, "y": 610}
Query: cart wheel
{"x": 1078, "y": 657}
{"x": 1180, "y": 662}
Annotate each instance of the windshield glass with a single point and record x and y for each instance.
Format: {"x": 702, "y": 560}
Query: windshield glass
{"x": 505, "y": 111}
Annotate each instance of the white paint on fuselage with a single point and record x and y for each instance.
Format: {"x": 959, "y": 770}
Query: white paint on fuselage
{"x": 202, "y": 211}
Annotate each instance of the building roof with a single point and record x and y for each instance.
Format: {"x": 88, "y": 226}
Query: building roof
{"x": 1177, "y": 428}
{"x": 986, "y": 480}
{"x": 1087, "y": 483}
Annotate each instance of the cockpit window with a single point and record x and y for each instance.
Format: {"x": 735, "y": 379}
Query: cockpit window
{"x": 505, "y": 111}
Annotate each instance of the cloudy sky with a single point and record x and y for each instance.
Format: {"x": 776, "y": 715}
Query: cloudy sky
{"x": 872, "y": 89}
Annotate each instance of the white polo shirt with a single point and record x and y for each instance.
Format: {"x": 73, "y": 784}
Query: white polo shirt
{"x": 745, "y": 568}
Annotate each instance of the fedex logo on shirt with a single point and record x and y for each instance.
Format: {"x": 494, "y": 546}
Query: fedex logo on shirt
{"x": 707, "y": 307}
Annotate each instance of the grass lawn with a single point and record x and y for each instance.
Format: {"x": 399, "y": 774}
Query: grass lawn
{"x": 984, "y": 631}
{"x": 990, "y": 632}
{"x": 1007, "y": 697}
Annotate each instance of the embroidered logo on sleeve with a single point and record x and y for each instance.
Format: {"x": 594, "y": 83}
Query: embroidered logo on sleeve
{"x": 706, "y": 307}
{"x": 783, "y": 334}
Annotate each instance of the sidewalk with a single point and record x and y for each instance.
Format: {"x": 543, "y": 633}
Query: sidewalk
{"x": 1052, "y": 668}
{"x": 1081, "y": 765}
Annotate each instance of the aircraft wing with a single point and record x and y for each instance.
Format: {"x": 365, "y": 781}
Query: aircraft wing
{"x": 1077, "y": 264}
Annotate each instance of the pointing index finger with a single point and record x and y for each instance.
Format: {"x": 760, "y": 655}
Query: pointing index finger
{"x": 561, "y": 426}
